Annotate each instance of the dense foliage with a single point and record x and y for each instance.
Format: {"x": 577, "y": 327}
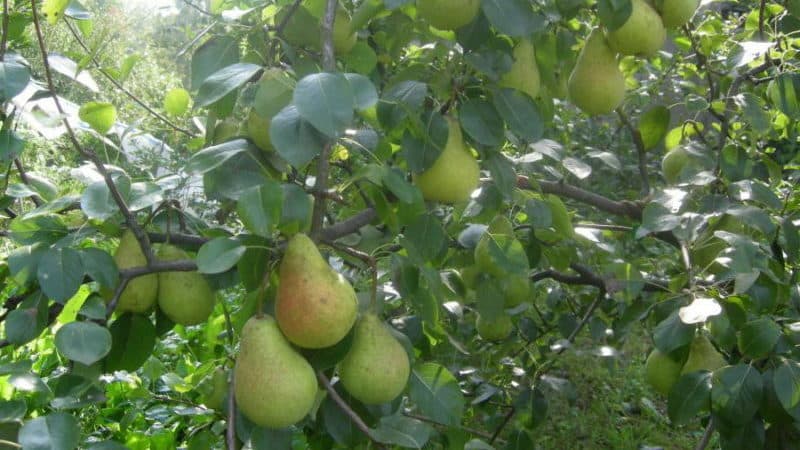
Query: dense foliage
{"x": 498, "y": 181}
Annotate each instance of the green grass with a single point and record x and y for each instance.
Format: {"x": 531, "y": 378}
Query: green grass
{"x": 612, "y": 406}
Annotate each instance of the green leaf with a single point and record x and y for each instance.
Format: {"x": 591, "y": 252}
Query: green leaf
{"x": 512, "y": 17}
{"x": 736, "y": 393}
{"x": 791, "y": 237}
{"x": 436, "y": 393}
{"x": 786, "y": 382}
{"x": 614, "y": 13}
{"x": 56, "y": 431}
{"x": 60, "y": 273}
{"x": 100, "y": 266}
{"x": 784, "y": 91}
{"x": 274, "y": 93}
{"x": 421, "y": 152}
{"x": 364, "y": 92}
{"x": 224, "y": 81}
{"x": 295, "y": 139}
{"x": 690, "y": 394}
{"x": 339, "y": 426}
{"x": 216, "y": 53}
{"x": 425, "y": 238}
{"x": 402, "y": 431}
{"x": 755, "y": 113}
{"x": 503, "y": 173}
{"x": 519, "y": 440}
{"x": 219, "y": 255}
{"x": 12, "y": 410}
{"x": 212, "y": 157}
{"x": 653, "y": 126}
{"x": 520, "y": 113}
{"x": 326, "y": 101}
{"x": 14, "y": 78}
{"x": 758, "y": 337}
{"x": 133, "y": 337}
{"x": 11, "y": 146}
{"x": 401, "y": 101}
{"x": 259, "y": 208}
{"x": 756, "y": 191}
{"x": 176, "y": 102}
{"x": 672, "y": 333}
{"x": 84, "y": 342}
{"x": 99, "y": 115}
{"x": 97, "y": 202}
{"x": 296, "y": 210}
{"x": 482, "y": 122}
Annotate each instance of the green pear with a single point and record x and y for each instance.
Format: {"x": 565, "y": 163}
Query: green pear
{"x": 516, "y": 289}
{"x": 258, "y": 130}
{"x": 678, "y": 162}
{"x": 524, "y": 73}
{"x": 455, "y": 174}
{"x": 274, "y": 386}
{"x": 676, "y": 13}
{"x": 316, "y": 306}
{"x": 141, "y": 292}
{"x": 215, "y": 389}
{"x": 376, "y": 368}
{"x": 448, "y": 14}
{"x": 703, "y": 356}
{"x": 497, "y": 329}
{"x": 500, "y": 234}
{"x": 225, "y": 131}
{"x": 274, "y": 92}
{"x": 344, "y": 38}
{"x": 185, "y": 297}
{"x": 642, "y": 34}
{"x": 596, "y": 85}
{"x": 661, "y": 371}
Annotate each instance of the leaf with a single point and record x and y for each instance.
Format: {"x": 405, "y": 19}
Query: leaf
{"x": 259, "y": 208}
{"x": 219, "y": 255}
{"x": 786, "y": 382}
{"x": 294, "y": 138}
{"x": 784, "y": 91}
{"x": 56, "y": 431}
{"x": 512, "y": 17}
{"x": 736, "y": 393}
{"x": 653, "y": 126}
{"x": 401, "y": 101}
{"x": 84, "y": 342}
{"x": 60, "y": 273}
{"x": 70, "y": 69}
{"x": 577, "y": 167}
{"x": 11, "y": 146}
{"x": 520, "y": 113}
{"x": 12, "y": 410}
{"x": 792, "y": 238}
{"x": 758, "y": 337}
{"x": 482, "y": 122}
{"x": 690, "y": 394}
{"x": 99, "y": 115}
{"x": 326, "y": 101}
{"x": 402, "y": 431}
{"x": 421, "y": 152}
{"x": 364, "y": 92}
{"x": 224, "y": 81}
{"x": 614, "y": 13}
{"x": 296, "y": 209}
{"x": 100, "y": 266}
{"x": 14, "y": 78}
{"x": 216, "y": 53}
{"x": 424, "y": 238}
{"x": 672, "y": 333}
{"x": 519, "y": 440}
{"x": 133, "y": 337}
{"x": 97, "y": 202}
{"x": 436, "y": 393}
{"x": 212, "y": 157}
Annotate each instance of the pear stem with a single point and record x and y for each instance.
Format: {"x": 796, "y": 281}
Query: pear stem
{"x": 262, "y": 291}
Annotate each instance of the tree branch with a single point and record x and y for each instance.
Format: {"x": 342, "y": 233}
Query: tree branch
{"x": 475, "y": 431}
{"x": 292, "y": 9}
{"x": 23, "y": 175}
{"x": 706, "y": 435}
{"x": 640, "y": 149}
{"x": 346, "y": 409}
{"x": 623, "y": 208}
{"x": 4, "y": 38}
{"x": 230, "y": 433}
{"x": 349, "y": 226}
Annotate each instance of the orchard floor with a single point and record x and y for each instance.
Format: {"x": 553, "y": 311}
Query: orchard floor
{"x": 612, "y": 406}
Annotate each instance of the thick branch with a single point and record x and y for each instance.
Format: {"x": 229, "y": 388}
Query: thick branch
{"x": 349, "y": 226}
{"x": 623, "y": 208}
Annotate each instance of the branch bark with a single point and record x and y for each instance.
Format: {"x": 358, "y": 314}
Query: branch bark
{"x": 638, "y": 142}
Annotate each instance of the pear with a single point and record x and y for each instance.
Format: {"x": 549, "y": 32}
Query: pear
{"x": 344, "y": 39}
{"x": 516, "y": 289}
{"x": 661, "y": 371}
{"x": 274, "y": 386}
{"x": 496, "y": 329}
{"x": 678, "y": 163}
{"x": 141, "y": 292}
{"x": 524, "y": 73}
{"x": 315, "y": 306}
{"x": 642, "y": 34}
{"x": 703, "y": 356}
{"x": 185, "y": 297}
{"x": 448, "y": 14}
{"x": 376, "y": 368}
{"x": 215, "y": 389}
{"x": 676, "y": 13}
{"x": 258, "y": 130}
{"x": 501, "y": 234}
{"x": 225, "y": 131}
{"x": 596, "y": 85}
{"x": 455, "y": 174}
{"x": 274, "y": 92}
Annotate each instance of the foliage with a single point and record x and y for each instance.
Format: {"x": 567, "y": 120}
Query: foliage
{"x": 297, "y": 124}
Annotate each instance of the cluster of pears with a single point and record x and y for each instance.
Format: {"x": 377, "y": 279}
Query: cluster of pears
{"x": 316, "y": 307}
{"x": 515, "y": 287}
{"x": 596, "y": 84}
{"x": 454, "y": 174}
{"x": 662, "y": 371}
{"x": 185, "y": 297}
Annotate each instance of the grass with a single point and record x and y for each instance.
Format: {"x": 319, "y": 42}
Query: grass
{"x": 611, "y": 407}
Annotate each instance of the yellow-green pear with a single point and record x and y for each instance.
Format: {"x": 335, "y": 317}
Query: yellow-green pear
{"x": 516, "y": 289}
{"x": 448, "y": 14}
{"x": 676, "y": 13}
{"x": 316, "y": 306}
{"x": 455, "y": 174}
{"x": 274, "y": 386}
{"x": 185, "y": 297}
{"x": 661, "y": 371}
{"x": 258, "y": 130}
{"x": 376, "y": 368}
{"x": 596, "y": 85}
{"x": 642, "y": 34}
{"x": 524, "y": 73}
{"x": 141, "y": 292}
{"x": 344, "y": 38}
{"x": 703, "y": 356}
{"x": 676, "y": 161}
{"x": 225, "y": 130}
{"x": 215, "y": 389}
{"x": 497, "y": 329}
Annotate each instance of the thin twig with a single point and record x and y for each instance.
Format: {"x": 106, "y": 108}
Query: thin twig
{"x": 503, "y": 424}
{"x": 4, "y": 38}
{"x": 761, "y": 10}
{"x": 475, "y": 431}
{"x": 640, "y": 148}
{"x": 588, "y": 315}
{"x": 230, "y": 433}
{"x": 346, "y": 409}
{"x": 706, "y": 435}
{"x": 292, "y": 9}
{"x": 23, "y": 175}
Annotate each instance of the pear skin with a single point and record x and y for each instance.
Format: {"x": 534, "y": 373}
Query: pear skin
{"x": 596, "y": 85}
{"x": 185, "y": 297}
{"x": 642, "y": 34}
{"x": 524, "y": 73}
{"x": 455, "y": 174}
{"x": 676, "y": 13}
{"x": 661, "y": 371}
{"x": 703, "y": 356}
{"x": 215, "y": 388}
{"x": 141, "y": 292}
{"x": 376, "y": 368}
{"x": 497, "y": 329}
{"x": 448, "y": 14}
{"x": 316, "y": 306}
{"x": 258, "y": 130}
{"x": 516, "y": 290}
{"x": 344, "y": 39}
{"x": 274, "y": 386}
